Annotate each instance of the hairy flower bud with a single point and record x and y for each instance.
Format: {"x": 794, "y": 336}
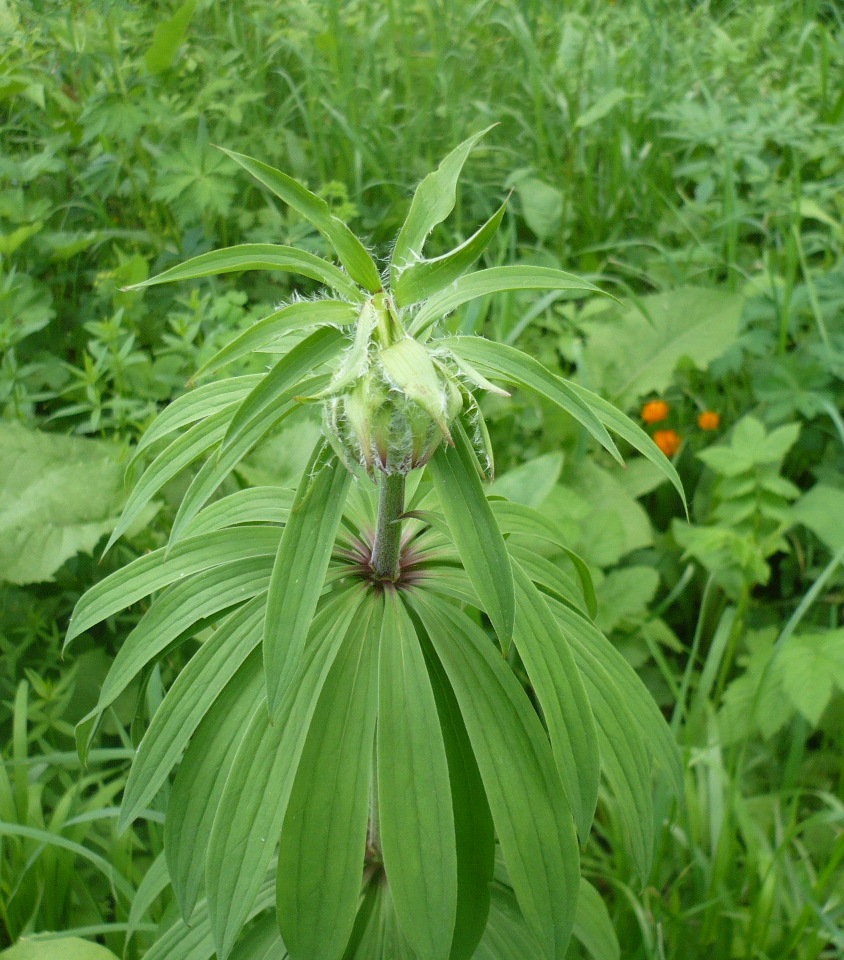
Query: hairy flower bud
{"x": 394, "y": 415}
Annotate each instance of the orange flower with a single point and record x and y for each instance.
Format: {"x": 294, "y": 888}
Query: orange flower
{"x": 668, "y": 441}
{"x": 654, "y": 411}
{"x": 709, "y": 420}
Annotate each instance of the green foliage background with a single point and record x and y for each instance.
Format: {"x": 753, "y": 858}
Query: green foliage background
{"x": 687, "y": 157}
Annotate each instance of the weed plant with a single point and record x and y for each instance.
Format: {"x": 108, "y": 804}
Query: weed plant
{"x": 651, "y": 147}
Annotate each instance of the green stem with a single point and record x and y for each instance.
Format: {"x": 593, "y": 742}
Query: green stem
{"x": 385, "y": 551}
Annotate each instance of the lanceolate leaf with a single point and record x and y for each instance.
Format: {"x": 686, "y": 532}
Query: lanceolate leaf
{"x": 473, "y": 827}
{"x": 215, "y": 470}
{"x": 258, "y": 256}
{"x": 186, "y": 703}
{"x": 516, "y": 518}
{"x": 300, "y": 565}
{"x": 295, "y": 316}
{"x": 475, "y": 532}
{"x": 319, "y": 347}
{"x": 198, "y": 786}
{"x": 512, "y": 366}
{"x": 656, "y": 733}
{"x": 323, "y": 839}
{"x": 624, "y": 427}
{"x": 535, "y": 830}
{"x": 191, "y": 445}
{"x": 431, "y": 204}
{"x": 556, "y": 680}
{"x": 414, "y": 793}
{"x": 252, "y": 505}
{"x": 152, "y": 571}
{"x": 624, "y": 759}
{"x": 254, "y": 799}
{"x": 593, "y": 926}
{"x": 196, "y": 405}
{"x": 194, "y": 941}
{"x": 483, "y": 283}
{"x": 350, "y": 250}
{"x": 169, "y": 618}
{"x": 422, "y": 279}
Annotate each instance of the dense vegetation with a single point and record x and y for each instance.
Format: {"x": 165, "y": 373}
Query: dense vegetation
{"x": 687, "y": 158}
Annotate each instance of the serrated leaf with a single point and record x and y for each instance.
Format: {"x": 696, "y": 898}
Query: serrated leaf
{"x": 328, "y": 809}
{"x": 255, "y": 795}
{"x": 536, "y": 832}
{"x": 556, "y": 681}
{"x": 350, "y": 250}
{"x": 293, "y": 317}
{"x": 58, "y": 497}
{"x": 414, "y": 793}
{"x": 517, "y": 368}
{"x": 484, "y": 283}
{"x": 475, "y": 532}
{"x": 633, "y": 351}
{"x": 808, "y": 666}
{"x": 432, "y": 202}
{"x": 300, "y": 565}
{"x": 186, "y": 703}
{"x": 424, "y": 278}
{"x": 257, "y": 256}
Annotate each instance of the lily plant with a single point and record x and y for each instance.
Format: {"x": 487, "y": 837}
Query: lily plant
{"x": 389, "y": 740}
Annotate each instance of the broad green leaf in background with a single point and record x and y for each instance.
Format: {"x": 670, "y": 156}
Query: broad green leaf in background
{"x": 61, "y": 948}
{"x": 58, "y": 497}
{"x": 635, "y": 350}
{"x": 820, "y": 510}
{"x": 542, "y": 204}
{"x": 809, "y": 666}
{"x": 167, "y": 37}
{"x": 475, "y": 532}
